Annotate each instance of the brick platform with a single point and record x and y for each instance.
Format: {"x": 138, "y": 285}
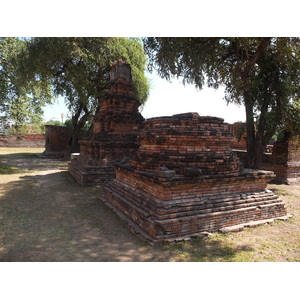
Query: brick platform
{"x": 186, "y": 181}
{"x": 114, "y": 135}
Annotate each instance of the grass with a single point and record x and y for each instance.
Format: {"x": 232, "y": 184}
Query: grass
{"x": 216, "y": 248}
{"x": 46, "y": 216}
{"x": 15, "y": 154}
{"x": 4, "y": 169}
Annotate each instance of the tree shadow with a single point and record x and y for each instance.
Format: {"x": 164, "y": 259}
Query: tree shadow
{"x": 209, "y": 249}
{"x": 30, "y": 161}
{"x": 51, "y": 218}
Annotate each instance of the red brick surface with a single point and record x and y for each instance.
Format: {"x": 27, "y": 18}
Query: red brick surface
{"x": 185, "y": 180}
{"x": 284, "y": 161}
{"x": 58, "y": 140}
{"x": 25, "y": 140}
{"x": 234, "y": 129}
{"x": 114, "y": 135}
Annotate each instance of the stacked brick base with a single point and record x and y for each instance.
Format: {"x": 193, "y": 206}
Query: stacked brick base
{"x": 198, "y": 186}
{"x": 96, "y": 166}
{"x": 89, "y": 175}
{"x": 172, "y": 209}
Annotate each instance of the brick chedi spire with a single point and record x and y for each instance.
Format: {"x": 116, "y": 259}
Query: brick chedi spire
{"x": 114, "y": 132}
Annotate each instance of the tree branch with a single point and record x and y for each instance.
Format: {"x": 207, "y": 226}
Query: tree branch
{"x": 257, "y": 54}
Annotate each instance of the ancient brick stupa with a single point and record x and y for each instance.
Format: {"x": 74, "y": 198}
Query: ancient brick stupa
{"x": 185, "y": 181}
{"x": 114, "y": 134}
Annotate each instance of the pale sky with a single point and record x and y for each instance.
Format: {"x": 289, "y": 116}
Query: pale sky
{"x": 168, "y": 98}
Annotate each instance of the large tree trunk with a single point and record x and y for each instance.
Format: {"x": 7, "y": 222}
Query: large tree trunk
{"x": 251, "y": 141}
{"x": 256, "y": 137}
{"x": 75, "y": 147}
{"x": 255, "y": 142}
{"x": 77, "y": 126}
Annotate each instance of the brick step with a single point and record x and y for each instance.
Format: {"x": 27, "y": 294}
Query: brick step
{"x": 123, "y": 204}
{"x": 176, "y": 226}
{"x": 208, "y": 198}
{"x": 187, "y": 207}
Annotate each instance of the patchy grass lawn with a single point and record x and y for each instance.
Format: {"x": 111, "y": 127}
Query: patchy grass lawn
{"x": 15, "y": 153}
{"x": 46, "y": 216}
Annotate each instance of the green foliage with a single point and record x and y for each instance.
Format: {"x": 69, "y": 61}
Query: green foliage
{"x": 68, "y": 123}
{"x": 261, "y": 73}
{"x": 78, "y": 69}
{"x": 241, "y": 130}
{"x": 20, "y": 129}
{"x": 289, "y": 128}
{"x": 21, "y": 101}
{"x": 54, "y": 122}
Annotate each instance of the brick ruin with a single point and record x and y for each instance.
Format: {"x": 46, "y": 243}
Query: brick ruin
{"x": 284, "y": 161}
{"x": 185, "y": 181}
{"x": 57, "y": 141}
{"x": 114, "y": 134}
{"x": 237, "y": 130}
{"x": 283, "y": 157}
{"x": 34, "y": 140}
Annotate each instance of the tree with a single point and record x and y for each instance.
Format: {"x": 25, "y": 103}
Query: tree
{"x": 78, "y": 69}
{"x": 263, "y": 74}
{"x": 21, "y": 101}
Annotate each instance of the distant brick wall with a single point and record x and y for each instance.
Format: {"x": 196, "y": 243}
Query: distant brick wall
{"x": 57, "y": 139}
{"x": 234, "y": 129}
{"x": 24, "y": 140}
{"x": 284, "y": 161}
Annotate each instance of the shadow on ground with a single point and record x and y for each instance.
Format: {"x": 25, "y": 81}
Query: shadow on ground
{"x": 30, "y": 161}
{"x": 47, "y": 216}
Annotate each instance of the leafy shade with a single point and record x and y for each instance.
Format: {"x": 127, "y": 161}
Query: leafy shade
{"x": 263, "y": 74}
{"x": 21, "y": 101}
{"x": 78, "y": 69}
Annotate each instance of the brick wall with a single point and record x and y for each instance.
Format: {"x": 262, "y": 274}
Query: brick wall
{"x": 58, "y": 139}
{"x": 238, "y": 130}
{"x": 25, "y": 140}
{"x": 284, "y": 161}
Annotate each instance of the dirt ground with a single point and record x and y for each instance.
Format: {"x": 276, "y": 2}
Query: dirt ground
{"x": 46, "y": 216}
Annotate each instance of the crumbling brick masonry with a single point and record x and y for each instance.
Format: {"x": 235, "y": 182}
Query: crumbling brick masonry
{"x": 114, "y": 135}
{"x": 186, "y": 181}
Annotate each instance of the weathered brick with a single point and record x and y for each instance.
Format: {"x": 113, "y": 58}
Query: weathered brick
{"x": 114, "y": 135}
{"x": 222, "y": 195}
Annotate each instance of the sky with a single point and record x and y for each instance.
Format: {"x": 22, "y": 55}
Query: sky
{"x": 168, "y": 98}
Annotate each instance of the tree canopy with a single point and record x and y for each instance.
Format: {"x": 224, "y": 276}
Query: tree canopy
{"x": 263, "y": 74}
{"x": 78, "y": 69}
{"x": 21, "y": 101}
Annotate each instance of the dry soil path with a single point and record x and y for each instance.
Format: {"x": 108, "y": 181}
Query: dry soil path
{"x": 46, "y": 216}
